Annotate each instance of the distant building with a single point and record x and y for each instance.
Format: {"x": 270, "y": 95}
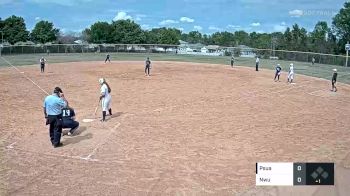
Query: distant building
{"x": 27, "y": 43}
{"x": 246, "y": 51}
{"x": 204, "y": 50}
{"x": 213, "y": 48}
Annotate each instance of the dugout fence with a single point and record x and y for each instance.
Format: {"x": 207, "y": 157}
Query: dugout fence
{"x": 173, "y": 49}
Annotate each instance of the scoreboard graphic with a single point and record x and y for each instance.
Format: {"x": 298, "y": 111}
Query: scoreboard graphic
{"x": 294, "y": 174}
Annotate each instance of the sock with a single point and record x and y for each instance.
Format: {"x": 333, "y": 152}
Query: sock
{"x": 110, "y": 111}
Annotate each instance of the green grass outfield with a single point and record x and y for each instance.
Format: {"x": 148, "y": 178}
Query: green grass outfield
{"x": 317, "y": 70}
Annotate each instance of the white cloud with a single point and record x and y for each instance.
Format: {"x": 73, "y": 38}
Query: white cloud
{"x": 168, "y": 22}
{"x": 181, "y": 29}
{"x": 146, "y": 26}
{"x": 122, "y": 16}
{"x": 233, "y": 27}
{"x": 214, "y": 28}
{"x": 280, "y": 27}
{"x": 197, "y": 28}
{"x": 296, "y": 13}
{"x": 186, "y": 19}
{"x": 37, "y": 18}
{"x": 139, "y": 17}
{"x": 255, "y": 24}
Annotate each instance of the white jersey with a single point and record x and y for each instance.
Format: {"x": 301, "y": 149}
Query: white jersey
{"x": 104, "y": 90}
{"x": 291, "y": 69}
{"x": 106, "y": 100}
{"x": 257, "y": 60}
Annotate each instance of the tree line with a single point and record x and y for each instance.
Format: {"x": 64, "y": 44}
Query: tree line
{"x": 324, "y": 38}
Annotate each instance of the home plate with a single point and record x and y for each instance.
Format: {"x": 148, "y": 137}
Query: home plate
{"x": 87, "y": 120}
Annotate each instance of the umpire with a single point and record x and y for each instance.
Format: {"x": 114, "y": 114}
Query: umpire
{"x": 53, "y": 106}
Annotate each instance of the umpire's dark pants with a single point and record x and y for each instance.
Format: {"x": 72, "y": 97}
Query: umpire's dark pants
{"x": 55, "y": 122}
{"x": 256, "y": 66}
{"x": 147, "y": 68}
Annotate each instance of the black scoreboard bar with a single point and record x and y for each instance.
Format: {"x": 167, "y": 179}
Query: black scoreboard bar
{"x": 294, "y": 174}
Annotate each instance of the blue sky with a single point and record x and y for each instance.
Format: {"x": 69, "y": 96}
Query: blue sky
{"x": 206, "y": 16}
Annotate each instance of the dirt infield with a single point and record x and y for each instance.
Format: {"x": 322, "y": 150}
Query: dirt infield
{"x": 189, "y": 129}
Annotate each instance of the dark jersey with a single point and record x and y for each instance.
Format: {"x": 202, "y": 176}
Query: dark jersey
{"x": 42, "y": 61}
{"x": 148, "y": 63}
{"x": 278, "y": 69}
{"x": 232, "y": 60}
{"x": 335, "y": 75}
{"x": 107, "y": 56}
{"x": 68, "y": 113}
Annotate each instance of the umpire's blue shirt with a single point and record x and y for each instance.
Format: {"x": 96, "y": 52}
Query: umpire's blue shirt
{"x": 54, "y": 105}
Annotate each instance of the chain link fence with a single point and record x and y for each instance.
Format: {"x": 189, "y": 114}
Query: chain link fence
{"x": 285, "y": 55}
{"x": 88, "y": 48}
{"x": 154, "y": 48}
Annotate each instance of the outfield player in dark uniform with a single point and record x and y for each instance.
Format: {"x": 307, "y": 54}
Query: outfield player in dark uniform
{"x": 68, "y": 116}
{"x": 108, "y": 58}
{"x": 147, "y": 67}
{"x": 278, "y": 72}
{"x": 53, "y": 106}
{"x": 42, "y": 64}
{"x": 334, "y": 80}
{"x": 232, "y": 61}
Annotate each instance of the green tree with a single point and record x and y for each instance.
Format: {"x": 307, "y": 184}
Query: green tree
{"x": 287, "y": 39}
{"x": 319, "y": 38}
{"x": 14, "y": 29}
{"x": 1, "y": 24}
{"x": 44, "y": 32}
{"x": 168, "y": 36}
{"x": 86, "y": 35}
{"x": 127, "y": 32}
{"x": 223, "y": 38}
{"x": 194, "y": 37}
{"x": 341, "y": 22}
{"x": 242, "y": 38}
{"x": 260, "y": 40}
{"x": 99, "y": 32}
{"x": 151, "y": 37}
{"x": 206, "y": 39}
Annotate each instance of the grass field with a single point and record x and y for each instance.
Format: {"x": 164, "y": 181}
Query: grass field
{"x": 318, "y": 70}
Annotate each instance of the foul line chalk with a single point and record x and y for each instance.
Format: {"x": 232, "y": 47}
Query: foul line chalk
{"x": 11, "y": 147}
{"x": 21, "y": 72}
{"x": 88, "y": 157}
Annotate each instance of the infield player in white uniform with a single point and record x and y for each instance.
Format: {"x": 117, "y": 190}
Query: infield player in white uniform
{"x": 291, "y": 73}
{"x": 105, "y": 98}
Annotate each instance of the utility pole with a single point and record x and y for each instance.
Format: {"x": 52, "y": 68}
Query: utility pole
{"x": 2, "y": 42}
{"x": 347, "y": 48}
